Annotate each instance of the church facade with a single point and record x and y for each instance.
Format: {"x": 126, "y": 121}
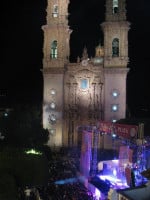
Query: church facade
{"x": 91, "y": 89}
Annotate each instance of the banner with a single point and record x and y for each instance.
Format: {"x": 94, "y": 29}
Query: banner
{"x": 126, "y": 131}
{"x": 105, "y": 127}
{"x": 122, "y": 130}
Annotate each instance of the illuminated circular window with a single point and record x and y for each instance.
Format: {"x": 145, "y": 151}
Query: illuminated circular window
{"x": 114, "y": 108}
{"x": 52, "y": 105}
{"x": 53, "y": 91}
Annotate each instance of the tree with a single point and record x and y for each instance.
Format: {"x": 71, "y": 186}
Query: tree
{"x": 8, "y": 188}
{"x": 18, "y": 169}
{"x": 23, "y": 127}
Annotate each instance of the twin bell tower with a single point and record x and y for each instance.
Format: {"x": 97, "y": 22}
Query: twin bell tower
{"x": 91, "y": 89}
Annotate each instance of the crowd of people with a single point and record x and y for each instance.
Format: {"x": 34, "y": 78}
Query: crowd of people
{"x": 64, "y": 182}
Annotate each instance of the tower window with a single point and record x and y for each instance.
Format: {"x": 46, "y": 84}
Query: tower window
{"x": 115, "y": 47}
{"x": 115, "y": 6}
{"x": 54, "y": 49}
{"x": 55, "y": 11}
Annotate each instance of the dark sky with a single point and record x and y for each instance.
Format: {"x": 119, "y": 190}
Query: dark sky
{"x": 21, "y": 44}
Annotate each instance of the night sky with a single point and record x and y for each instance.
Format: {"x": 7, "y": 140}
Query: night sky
{"x": 21, "y": 45}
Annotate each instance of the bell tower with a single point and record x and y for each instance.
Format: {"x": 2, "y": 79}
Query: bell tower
{"x": 55, "y": 57}
{"x": 115, "y": 29}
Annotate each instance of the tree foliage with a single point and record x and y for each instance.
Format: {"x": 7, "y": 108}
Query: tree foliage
{"x": 23, "y": 127}
{"x": 8, "y": 188}
{"x": 18, "y": 169}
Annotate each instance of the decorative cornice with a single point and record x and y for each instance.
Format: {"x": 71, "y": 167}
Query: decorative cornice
{"x": 115, "y": 24}
{"x": 121, "y": 61}
{"x": 58, "y": 70}
{"x": 60, "y": 26}
{"x": 116, "y": 70}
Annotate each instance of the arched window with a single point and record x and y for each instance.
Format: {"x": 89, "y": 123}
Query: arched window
{"x": 54, "y": 49}
{"x": 55, "y": 11}
{"x": 115, "y": 47}
{"x": 115, "y": 6}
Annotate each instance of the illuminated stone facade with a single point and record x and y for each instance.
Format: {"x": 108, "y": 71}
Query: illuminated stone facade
{"x": 82, "y": 93}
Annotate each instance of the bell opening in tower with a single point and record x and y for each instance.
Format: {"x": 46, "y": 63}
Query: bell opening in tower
{"x": 55, "y": 11}
{"x": 115, "y": 6}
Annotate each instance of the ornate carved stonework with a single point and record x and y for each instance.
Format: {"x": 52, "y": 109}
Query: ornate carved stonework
{"x": 83, "y": 104}
{"x": 57, "y": 70}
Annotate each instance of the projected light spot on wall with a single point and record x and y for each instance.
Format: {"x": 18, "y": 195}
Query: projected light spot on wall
{"x": 52, "y": 131}
{"x": 52, "y": 105}
{"x": 53, "y": 92}
{"x": 114, "y": 108}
